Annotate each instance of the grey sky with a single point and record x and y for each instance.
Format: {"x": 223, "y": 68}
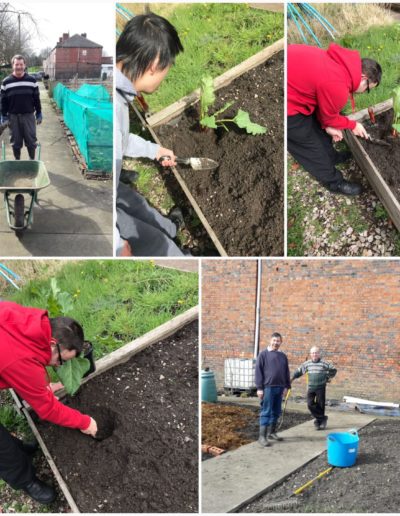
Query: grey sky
{"x": 55, "y": 18}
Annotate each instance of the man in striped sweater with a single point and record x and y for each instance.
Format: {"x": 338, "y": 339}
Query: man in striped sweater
{"x": 20, "y": 106}
{"x": 319, "y": 372}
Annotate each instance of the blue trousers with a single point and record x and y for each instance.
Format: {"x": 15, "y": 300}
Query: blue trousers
{"x": 271, "y": 405}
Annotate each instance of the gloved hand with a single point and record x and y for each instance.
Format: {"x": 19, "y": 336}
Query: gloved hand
{"x": 4, "y": 119}
{"x": 39, "y": 118}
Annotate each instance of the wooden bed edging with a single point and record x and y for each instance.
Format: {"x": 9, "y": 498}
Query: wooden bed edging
{"x": 373, "y": 175}
{"x": 117, "y": 357}
{"x": 61, "y": 482}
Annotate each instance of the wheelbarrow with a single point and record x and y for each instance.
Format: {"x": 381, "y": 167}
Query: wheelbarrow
{"x": 21, "y": 180}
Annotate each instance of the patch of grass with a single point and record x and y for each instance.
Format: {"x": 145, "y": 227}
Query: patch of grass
{"x": 215, "y": 37}
{"x": 381, "y": 44}
{"x": 380, "y": 212}
{"x": 347, "y": 18}
{"x": 117, "y": 301}
{"x": 296, "y": 214}
{"x": 152, "y": 187}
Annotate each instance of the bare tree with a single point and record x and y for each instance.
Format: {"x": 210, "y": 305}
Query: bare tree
{"x": 17, "y": 29}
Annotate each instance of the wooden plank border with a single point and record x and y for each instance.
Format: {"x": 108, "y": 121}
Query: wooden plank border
{"x": 373, "y": 175}
{"x": 170, "y": 112}
{"x": 119, "y": 356}
{"x": 61, "y": 482}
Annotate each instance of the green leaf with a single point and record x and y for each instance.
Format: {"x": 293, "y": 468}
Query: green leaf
{"x": 71, "y": 373}
{"x": 209, "y": 121}
{"x": 207, "y": 96}
{"x": 242, "y": 119}
{"x": 224, "y": 108}
{"x": 397, "y": 127}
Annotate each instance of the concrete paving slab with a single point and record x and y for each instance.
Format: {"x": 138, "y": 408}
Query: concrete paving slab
{"x": 238, "y": 477}
{"x": 74, "y": 216}
{"x": 182, "y": 264}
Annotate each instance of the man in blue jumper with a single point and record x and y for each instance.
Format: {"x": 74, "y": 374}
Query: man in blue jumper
{"x": 272, "y": 382}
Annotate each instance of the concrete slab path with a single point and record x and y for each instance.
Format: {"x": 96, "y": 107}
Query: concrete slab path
{"x": 74, "y": 216}
{"x": 238, "y": 477}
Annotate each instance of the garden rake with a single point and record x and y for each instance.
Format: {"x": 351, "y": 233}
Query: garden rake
{"x": 293, "y": 500}
{"x": 299, "y": 13}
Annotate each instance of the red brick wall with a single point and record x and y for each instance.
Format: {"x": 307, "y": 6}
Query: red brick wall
{"x": 350, "y": 308}
{"x": 70, "y": 61}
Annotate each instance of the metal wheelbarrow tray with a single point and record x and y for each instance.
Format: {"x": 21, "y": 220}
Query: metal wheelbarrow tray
{"x": 16, "y": 179}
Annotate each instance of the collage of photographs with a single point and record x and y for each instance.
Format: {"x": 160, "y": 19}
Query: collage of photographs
{"x": 199, "y": 257}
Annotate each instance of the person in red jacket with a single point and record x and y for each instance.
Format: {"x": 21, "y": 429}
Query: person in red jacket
{"x": 30, "y": 341}
{"x": 319, "y": 84}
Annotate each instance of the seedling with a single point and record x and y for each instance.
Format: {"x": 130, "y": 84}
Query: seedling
{"x": 242, "y": 118}
{"x": 60, "y": 304}
{"x": 396, "y": 109}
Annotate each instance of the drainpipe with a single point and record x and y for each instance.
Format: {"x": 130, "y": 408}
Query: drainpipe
{"x": 258, "y": 304}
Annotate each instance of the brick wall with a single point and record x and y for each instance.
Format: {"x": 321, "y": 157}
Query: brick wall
{"x": 350, "y": 308}
{"x": 86, "y": 62}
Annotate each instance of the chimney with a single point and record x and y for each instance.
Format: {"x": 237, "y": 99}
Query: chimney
{"x": 60, "y": 39}
{"x": 65, "y": 36}
{"x": 84, "y": 34}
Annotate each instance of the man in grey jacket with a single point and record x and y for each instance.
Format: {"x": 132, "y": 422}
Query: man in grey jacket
{"x": 146, "y": 51}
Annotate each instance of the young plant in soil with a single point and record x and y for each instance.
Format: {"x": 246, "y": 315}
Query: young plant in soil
{"x": 242, "y": 118}
{"x": 72, "y": 371}
{"x": 396, "y": 109}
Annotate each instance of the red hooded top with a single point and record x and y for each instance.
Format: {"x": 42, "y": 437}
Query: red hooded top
{"x": 25, "y": 350}
{"x": 322, "y": 81}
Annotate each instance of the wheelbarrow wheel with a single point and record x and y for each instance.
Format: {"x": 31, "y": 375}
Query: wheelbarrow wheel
{"x": 19, "y": 214}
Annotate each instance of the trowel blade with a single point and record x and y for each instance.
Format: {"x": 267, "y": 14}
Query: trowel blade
{"x": 203, "y": 164}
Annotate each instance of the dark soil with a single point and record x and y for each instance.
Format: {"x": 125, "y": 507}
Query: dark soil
{"x": 230, "y": 425}
{"x": 148, "y": 408}
{"x": 385, "y": 159}
{"x": 371, "y": 485}
{"x": 243, "y": 198}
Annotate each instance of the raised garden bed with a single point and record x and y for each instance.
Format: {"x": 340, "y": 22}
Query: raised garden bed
{"x": 230, "y": 425}
{"x": 241, "y": 202}
{"x": 379, "y": 163}
{"x": 371, "y": 485}
{"x": 148, "y": 458}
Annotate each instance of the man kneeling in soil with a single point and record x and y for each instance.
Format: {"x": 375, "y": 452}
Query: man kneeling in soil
{"x": 319, "y": 372}
{"x": 30, "y": 341}
{"x": 273, "y": 382}
{"x": 146, "y": 51}
{"x": 319, "y": 85}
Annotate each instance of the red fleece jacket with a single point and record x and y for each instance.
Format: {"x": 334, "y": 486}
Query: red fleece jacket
{"x": 322, "y": 81}
{"x": 25, "y": 350}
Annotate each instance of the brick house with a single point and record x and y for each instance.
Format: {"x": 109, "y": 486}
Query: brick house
{"x": 350, "y": 308}
{"x": 74, "y": 56}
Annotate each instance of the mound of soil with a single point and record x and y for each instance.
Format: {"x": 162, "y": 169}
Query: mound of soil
{"x": 385, "y": 159}
{"x": 243, "y": 198}
{"x": 147, "y": 408}
{"x": 230, "y": 425}
{"x": 371, "y": 485}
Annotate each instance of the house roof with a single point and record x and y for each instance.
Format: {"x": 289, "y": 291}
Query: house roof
{"x": 78, "y": 41}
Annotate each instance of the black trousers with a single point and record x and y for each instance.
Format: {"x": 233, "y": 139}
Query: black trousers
{"x": 316, "y": 403}
{"x": 15, "y": 465}
{"x": 312, "y": 147}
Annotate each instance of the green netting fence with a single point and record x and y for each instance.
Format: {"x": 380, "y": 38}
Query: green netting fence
{"x": 88, "y": 114}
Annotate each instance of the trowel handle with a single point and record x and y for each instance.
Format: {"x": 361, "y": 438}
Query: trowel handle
{"x": 183, "y": 161}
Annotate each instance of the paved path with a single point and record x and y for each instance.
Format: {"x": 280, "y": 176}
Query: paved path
{"x": 186, "y": 265}
{"x": 238, "y": 477}
{"x": 74, "y": 216}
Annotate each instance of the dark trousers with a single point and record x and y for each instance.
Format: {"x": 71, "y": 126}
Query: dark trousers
{"x": 312, "y": 147}
{"x": 316, "y": 403}
{"x": 23, "y": 130}
{"x": 148, "y": 232}
{"x": 271, "y": 405}
{"x": 15, "y": 465}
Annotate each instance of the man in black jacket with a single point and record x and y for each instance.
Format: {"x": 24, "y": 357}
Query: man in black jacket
{"x": 272, "y": 382}
{"x": 21, "y": 108}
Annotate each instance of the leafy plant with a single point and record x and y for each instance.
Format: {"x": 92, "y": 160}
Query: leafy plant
{"x": 60, "y": 303}
{"x": 242, "y": 118}
{"x": 396, "y": 108}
